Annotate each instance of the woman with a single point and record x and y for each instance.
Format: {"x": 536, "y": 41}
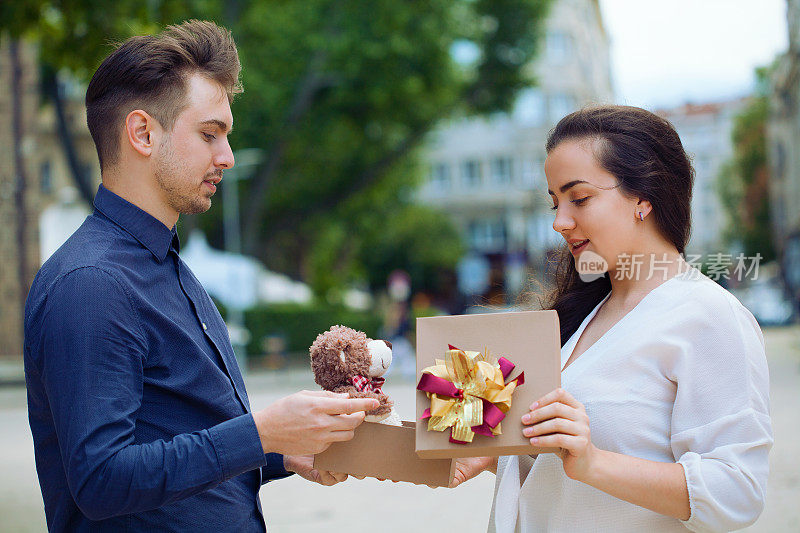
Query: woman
{"x": 663, "y": 419}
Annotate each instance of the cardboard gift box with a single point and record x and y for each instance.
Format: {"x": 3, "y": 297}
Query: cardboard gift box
{"x": 386, "y": 452}
{"x": 529, "y": 339}
{"x": 411, "y": 453}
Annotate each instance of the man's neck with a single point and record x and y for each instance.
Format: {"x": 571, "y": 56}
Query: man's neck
{"x": 147, "y": 200}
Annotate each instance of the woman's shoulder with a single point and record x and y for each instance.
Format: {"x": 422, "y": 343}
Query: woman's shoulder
{"x": 707, "y": 308}
{"x": 698, "y": 292}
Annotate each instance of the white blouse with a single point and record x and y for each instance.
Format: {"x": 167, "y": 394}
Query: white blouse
{"x": 681, "y": 378}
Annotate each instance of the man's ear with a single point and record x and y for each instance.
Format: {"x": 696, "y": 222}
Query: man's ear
{"x": 141, "y": 131}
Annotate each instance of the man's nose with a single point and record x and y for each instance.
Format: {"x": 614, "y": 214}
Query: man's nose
{"x": 224, "y": 158}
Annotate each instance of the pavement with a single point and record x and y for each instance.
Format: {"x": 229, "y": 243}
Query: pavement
{"x": 294, "y": 505}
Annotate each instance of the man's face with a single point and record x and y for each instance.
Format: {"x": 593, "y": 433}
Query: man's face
{"x": 191, "y": 157}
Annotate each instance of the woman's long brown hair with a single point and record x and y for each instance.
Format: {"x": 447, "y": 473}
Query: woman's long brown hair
{"x": 645, "y": 154}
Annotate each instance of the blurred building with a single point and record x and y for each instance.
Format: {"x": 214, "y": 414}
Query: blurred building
{"x": 38, "y": 208}
{"x": 783, "y": 133}
{"x": 487, "y": 173}
{"x": 705, "y": 131}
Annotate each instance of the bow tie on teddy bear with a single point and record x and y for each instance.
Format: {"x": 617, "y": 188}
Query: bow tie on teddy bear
{"x": 364, "y": 384}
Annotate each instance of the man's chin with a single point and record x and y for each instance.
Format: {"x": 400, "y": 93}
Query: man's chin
{"x": 198, "y": 207}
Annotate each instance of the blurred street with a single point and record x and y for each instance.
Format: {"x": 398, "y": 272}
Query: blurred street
{"x": 296, "y": 506}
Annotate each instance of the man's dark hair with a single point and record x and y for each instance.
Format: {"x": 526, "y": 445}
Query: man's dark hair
{"x": 150, "y": 73}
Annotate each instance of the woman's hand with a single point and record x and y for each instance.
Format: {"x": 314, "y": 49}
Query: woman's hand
{"x": 303, "y": 466}
{"x": 557, "y": 420}
{"x": 469, "y": 467}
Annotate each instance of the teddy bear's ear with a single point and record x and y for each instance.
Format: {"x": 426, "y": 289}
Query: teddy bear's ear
{"x": 328, "y": 361}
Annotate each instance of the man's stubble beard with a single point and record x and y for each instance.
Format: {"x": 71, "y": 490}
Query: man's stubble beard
{"x": 170, "y": 173}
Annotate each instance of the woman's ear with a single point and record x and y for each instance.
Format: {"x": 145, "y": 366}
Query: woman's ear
{"x": 643, "y": 208}
{"x": 140, "y": 131}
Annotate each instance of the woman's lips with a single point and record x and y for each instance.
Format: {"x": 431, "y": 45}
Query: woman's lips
{"x": 581, "y": 246}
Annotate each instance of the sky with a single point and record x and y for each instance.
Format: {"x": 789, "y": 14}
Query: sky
{"x": 668, "y": 52}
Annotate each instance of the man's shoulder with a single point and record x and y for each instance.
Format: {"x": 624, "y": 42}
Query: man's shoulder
{"x": 89, "y": 253}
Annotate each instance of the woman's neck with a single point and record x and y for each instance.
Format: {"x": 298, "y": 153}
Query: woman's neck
{"x": 638, "y": 274}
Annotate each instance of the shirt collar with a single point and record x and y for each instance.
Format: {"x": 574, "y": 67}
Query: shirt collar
{"x": 144, "y": 227}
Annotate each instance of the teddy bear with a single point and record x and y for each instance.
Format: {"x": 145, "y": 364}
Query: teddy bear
{"x": 346, "y": 360}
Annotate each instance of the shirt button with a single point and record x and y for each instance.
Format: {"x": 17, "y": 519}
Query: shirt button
{"x": 204, "y": 326}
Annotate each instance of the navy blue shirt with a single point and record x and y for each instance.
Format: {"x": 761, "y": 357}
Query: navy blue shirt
{"x": 139, "y": 414}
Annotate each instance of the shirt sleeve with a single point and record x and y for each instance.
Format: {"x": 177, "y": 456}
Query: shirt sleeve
{"x": 93, "y": 352}
{"x": 274, "y": 468}
{"x": 721, "y": 431}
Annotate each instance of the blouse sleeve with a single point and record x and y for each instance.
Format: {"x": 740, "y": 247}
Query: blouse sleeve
{"x": 721, "y": 432}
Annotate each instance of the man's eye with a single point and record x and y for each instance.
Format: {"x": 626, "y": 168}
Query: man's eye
{"x": 209, "y": 137}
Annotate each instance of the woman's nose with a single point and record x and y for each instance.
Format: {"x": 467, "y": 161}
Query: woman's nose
{"x": 563, "y": 221}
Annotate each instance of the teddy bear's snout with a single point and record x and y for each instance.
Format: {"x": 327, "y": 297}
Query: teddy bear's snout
{"x": 381, "y": 353}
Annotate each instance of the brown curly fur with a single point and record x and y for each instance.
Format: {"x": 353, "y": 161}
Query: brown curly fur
{"x": 332, "y": 374}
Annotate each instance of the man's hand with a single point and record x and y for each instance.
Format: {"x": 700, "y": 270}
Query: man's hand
{"x": 308, "y": 422}
{"x": 303, "y": 466}
{"x": 469, "y": 467}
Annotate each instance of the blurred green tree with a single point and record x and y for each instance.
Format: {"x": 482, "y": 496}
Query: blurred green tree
{"x": 743, "y": 181}
{"x": 338, "y": 96}
{"x": 75, "y": 36}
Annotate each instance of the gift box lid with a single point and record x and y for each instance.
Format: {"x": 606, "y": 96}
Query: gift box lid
{"x": 529, "y": 339}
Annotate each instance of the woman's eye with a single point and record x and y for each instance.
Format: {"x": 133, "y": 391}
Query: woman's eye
{"x": 580, "y": 201}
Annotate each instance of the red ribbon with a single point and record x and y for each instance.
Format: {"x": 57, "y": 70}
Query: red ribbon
{"x": 492, "y": 415}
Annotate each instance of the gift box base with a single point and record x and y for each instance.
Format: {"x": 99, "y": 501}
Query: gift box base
{"x": 386, "y": 452}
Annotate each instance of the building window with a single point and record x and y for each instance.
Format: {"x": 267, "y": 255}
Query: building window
{"x": 440, "y": 176}
{"x": 559, "y": 46}
{"x": 471, "y": 173}
{"x": 703, "y": 166}
{"x": 541, "y": 235}
{"x": 501, "y": 170}
{"x": 532, "y": 169}
{"x": 529, "y": 108}
{"x": 488, "y": 235}
{"x": 561, "y": 104}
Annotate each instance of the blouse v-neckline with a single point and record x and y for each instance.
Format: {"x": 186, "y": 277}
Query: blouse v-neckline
{"x": 569, "y": 347}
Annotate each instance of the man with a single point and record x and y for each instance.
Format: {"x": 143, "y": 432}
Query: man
{"x": 138, "y": 410}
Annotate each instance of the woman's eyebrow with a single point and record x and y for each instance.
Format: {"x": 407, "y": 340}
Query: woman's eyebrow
{"x": 566, "y": 186}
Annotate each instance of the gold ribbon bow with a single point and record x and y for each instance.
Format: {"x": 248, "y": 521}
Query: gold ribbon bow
{"x": 479, "y": 378}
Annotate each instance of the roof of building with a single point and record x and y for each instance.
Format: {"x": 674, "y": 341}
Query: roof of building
{"x": 689, "y": 109}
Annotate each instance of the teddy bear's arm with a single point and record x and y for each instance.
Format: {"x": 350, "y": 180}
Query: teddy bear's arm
{"x": 384, "y": 407}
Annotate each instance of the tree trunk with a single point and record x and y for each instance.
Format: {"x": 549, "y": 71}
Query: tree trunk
{"x": 20, "y": 181}
{"x": 313, "y": 81}
{"x": 80, "y": 176}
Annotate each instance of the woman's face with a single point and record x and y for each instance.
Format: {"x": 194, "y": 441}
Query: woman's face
{"x": 591, "y": 212}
